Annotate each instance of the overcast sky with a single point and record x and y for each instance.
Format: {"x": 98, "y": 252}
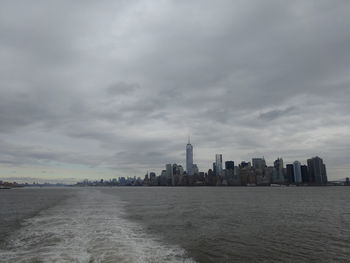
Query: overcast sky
{"x": 102, "y": 89}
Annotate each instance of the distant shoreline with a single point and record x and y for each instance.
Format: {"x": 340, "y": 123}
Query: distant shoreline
{"x": 177, "y": 186}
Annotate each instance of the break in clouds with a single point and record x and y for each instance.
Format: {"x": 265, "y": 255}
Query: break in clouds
{"x": 102, "y": 89}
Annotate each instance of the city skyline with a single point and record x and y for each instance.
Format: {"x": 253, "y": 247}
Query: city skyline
{"x": 104, "y": 89}
{"x": 188, "y": 166}
{"x": 246, "y": 173}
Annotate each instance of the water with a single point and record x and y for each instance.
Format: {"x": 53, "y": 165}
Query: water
{"x": 200, "y": 224}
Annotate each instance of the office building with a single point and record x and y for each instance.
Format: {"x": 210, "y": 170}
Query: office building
{"x": 189, "y": 158}
{"x": 195, "y": 169}
{"x": 218, "y": 164}
{"x": 259, "y": 163}
{"x": 304, "y": 174}
{"x": 229, "y": 165}
{"x": 290, "y": 173}
{"x": 169, "y": 170}
{"x": 317, "y": 170}
{"x": 277, "y": 172}
{"x": 297, "y": 172}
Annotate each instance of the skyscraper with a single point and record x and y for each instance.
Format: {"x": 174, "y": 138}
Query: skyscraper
{"x": 278, "y": 164}
{"x": 218, "y": 164}
{"x": 169, "y": 170}
{"x": 259, "y": 163}
{"x": 317, "y": 170}
{"x": 189, "y": 158}
{"x": 290, "y": 173}
{"x": 304, "y": 174}
{"x": 229, "y": 165}
{"x": 278, "y": 175}
{"x": 297, "y": 172}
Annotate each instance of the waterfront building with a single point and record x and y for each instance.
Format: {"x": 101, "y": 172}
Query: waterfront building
{"x": 189, "y": 158}
{"x": 236, "y": 176}
{"x": 236, "y": 170}
{"x": 218, "y": 164}
{"x": 201, "y": 177}
{"x": 146, "y": 181}
{"x": 304, "y": 173}
{"x": 175, "y": 169}
{"x": 347, "y": 181}
{"x": 170, "y": 173}
{"x": 178, "y": 169}
{"x": 245, "y": 172}
{"x": 122, "y": 181}
{"x": 251, "y": 177}
{"x": 277, "y": 172}
{"x": 263, "y": 176}
{"x": 290, "y": 173}
{"x": 297, "y": 172}
{"x": 195, "y": 169}
{"x": 324, "y": 174}
{"x": 169, "y": 170}
{"x": 178, "y": 172}
{"x": 228, "y": 173}
{"x": 258, "y": 163}
{"x": 153, "y": 179}
{"x": 152, "y": 175}
{"x": 229, "y": 165}
{"x": 211, "y": 178}
{"x": 278, "y": 164}
{"x": 163, "y": 178}
{"x": 244, "y": 164}
{"x": 317, "y": 170}
{"x": 268, "y": 174}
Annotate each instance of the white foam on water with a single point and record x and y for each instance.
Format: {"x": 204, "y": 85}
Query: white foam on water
{"x": 89, "y": 227}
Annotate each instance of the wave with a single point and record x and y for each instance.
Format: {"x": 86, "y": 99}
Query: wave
{"x": 89, "y": 227}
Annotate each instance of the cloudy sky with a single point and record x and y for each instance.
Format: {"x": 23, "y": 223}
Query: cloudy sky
{"x": 102, "y": 89}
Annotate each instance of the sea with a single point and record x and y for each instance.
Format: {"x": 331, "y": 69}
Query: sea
{"x": 175, "y": 224}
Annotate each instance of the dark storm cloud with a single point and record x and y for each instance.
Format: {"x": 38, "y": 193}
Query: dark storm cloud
{"x": 122, "y": 83}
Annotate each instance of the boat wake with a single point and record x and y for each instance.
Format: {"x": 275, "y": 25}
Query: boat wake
{"x": 89, "y": 227}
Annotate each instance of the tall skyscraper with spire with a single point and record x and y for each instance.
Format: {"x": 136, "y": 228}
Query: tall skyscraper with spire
{"x": 189, "y": 158}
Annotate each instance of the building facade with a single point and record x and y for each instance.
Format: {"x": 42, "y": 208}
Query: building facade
{"x": 218, "y": 164}
{"x": 259, "y": 163}
{"x": 317, "y": 171}
{"x": 289, "y": 173}
{"x": 189, "y": 158}
{"x": 229, "y": 165}
{"x": 277, "y": 173}
{"x": 297, "y": 172}
{"x": 304, "y": 174}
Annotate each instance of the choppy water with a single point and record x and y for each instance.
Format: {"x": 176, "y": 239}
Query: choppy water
{"x": 157, "y": 224}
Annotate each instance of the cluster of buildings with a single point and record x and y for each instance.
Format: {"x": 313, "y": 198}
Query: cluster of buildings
{"x": 121, "y": 181}
{"x": 254, "y": 173}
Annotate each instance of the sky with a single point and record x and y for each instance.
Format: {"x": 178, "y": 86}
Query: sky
{"x": 110, "y": 88}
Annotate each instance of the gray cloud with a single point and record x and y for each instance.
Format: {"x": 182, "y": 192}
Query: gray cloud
{"x": 122, "y": 88}
{"x": 274, "y": 114}
{"x": 121, "y": 84}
